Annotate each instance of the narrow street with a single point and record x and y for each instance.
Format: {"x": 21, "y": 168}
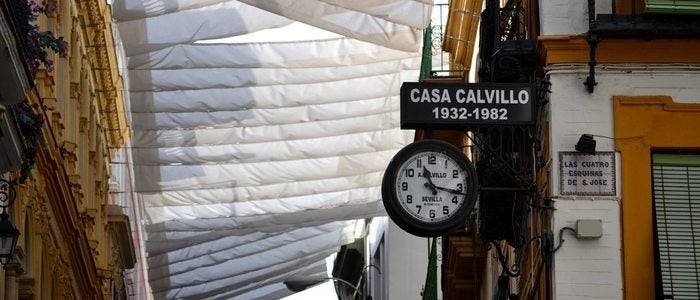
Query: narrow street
{"x": 349, "y": 150}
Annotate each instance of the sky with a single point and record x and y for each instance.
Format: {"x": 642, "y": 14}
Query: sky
{"x": 324, "y": 291}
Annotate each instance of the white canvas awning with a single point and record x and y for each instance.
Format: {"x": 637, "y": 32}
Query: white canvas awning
{"x": 261, "y": 132}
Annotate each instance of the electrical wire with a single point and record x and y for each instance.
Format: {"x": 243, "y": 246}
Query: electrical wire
{"x": 561, "y": 236}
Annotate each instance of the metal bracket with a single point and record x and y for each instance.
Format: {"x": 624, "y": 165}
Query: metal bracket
{"x": 522, "y": 185}
{"x": 592, "y": 45}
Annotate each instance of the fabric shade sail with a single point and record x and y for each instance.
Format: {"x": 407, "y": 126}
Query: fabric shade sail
{"x": 256, "y": 154}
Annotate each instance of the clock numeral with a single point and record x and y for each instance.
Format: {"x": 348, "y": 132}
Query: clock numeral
{"x": 455, "y": 173}
{"x": 419, "y": 163}
{"x": 410, "y": 173}
{"x": 432, "y": 213}
{"x": 409, "y": 199}
{"x": 431, "y": 159}
{"x": 404, "y": 186}
{"x": 454, "y": 200}
{"x": 418, "y": 206}
{"x": 459, "y": 187}
{"x": 445, "y": 163}
{"x": 445, "y": 210}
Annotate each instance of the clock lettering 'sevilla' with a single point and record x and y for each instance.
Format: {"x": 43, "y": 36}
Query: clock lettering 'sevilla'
{"x": 429, "y": 187}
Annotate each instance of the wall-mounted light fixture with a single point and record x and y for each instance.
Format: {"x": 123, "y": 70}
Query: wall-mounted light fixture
{"x": 586, "y": 144}
{"x": 8, "y": 232}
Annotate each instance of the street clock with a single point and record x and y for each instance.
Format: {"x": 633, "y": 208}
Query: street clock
{"x": 429, "y": 187}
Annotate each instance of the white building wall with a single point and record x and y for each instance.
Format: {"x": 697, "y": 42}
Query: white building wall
{"x": 592, "y": 269}
{"x": 405, "y": 263}
{"x": 408, "y": 263}
{"x": 567, "y": 17}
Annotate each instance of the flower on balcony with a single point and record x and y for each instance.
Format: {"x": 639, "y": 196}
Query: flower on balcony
{"x": 38, "y": 43}
{"x": 30, "y": 124}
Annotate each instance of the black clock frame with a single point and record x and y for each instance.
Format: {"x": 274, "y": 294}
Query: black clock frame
{"x": 404, "y": 219}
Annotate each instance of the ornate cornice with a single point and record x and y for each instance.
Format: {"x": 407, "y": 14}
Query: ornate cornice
{"x": 574, "y": 50}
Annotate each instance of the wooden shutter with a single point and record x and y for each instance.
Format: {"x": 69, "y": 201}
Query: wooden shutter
{"x": 676, "y": 180}
{"x": 673, "y": 6}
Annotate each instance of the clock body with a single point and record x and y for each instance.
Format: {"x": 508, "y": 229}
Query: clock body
{"x": 429, "y": 188}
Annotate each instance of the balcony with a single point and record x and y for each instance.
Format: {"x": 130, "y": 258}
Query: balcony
{"x": 650, "y": 19}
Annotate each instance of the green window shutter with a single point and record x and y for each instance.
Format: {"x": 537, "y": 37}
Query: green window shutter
{"x": 673, "y": 6}
{"x": 676, "y": 184}
{"x": 426, "y": 65}
{"x": 430, "y": 290}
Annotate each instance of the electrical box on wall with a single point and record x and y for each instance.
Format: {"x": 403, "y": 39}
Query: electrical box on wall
{"x": 589, "y": 229}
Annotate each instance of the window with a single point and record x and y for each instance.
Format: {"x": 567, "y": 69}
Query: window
{"x": 676, "y": 196}
{"x": 377, "y": 282}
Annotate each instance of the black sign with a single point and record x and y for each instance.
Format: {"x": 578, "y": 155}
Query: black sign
{"x": 450, "y": 105}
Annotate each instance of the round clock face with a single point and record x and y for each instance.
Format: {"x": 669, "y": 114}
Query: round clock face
{"x": 429, "y": 188}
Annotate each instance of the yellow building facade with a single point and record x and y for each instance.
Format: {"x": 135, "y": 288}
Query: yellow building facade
{"x": 74, "y": 243}
{"x": 632, "y": 73}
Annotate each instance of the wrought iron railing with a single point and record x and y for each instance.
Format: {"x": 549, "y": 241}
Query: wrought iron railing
{"x": 507, "y": 53}
{"x": 434, "y": 39}
{"x": 507, "y": 157}
{"x": 636, "y": 24}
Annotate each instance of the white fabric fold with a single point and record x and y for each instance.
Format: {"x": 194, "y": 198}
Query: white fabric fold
{"x": 259, "y": 134}
{"x": 233, "y": 242}
{"x": 239, "y": 266}
{"x": 161, "y": 242}
{"x": 255, "y": 160}
{"x": 190, "y": 79}
{"x": 274, "y": 96}
{"x": 391, "y": 10}
{"x": 354, "y": 143}
{"x": 173, "y": 177}
{"x": 261, "y": 192}
{"x": 265, "y": 117}
{"x": 249, "y": 251}
{"x": 351, "y": 23}
{"x": 261, "y": 222}
{"x": 185, "y": 27}
{"x": 263, "y": 207}
{"x": 209, "y": 286}
{"x": 323, "y": 53}
{"x": 380, "y": 22}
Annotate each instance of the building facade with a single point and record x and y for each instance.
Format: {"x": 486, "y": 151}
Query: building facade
{"x": 622, "y": 73}
{"x": 626, "y": 71}
{"x": 75, "y": 240}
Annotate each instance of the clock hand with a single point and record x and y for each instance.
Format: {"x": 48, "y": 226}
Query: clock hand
{"x": 430, "y": 183}
{"x": 453, "y": 191}
{"x": 432, "y": 186}
{"x": 426, "y": 174}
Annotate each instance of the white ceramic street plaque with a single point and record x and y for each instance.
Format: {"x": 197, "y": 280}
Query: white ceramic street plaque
{"x": 587, "y": 174}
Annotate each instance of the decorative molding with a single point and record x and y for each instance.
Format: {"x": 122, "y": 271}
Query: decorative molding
{"x": 87, "y": 217}
{"x": 75, "y": 90}
{"x": 574, "y": 50}
{"x": 13, "y": 269}
{"x": 81, "y": 254}
{"x": 26, "y": 287}
{"x": 655, "y": 122}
